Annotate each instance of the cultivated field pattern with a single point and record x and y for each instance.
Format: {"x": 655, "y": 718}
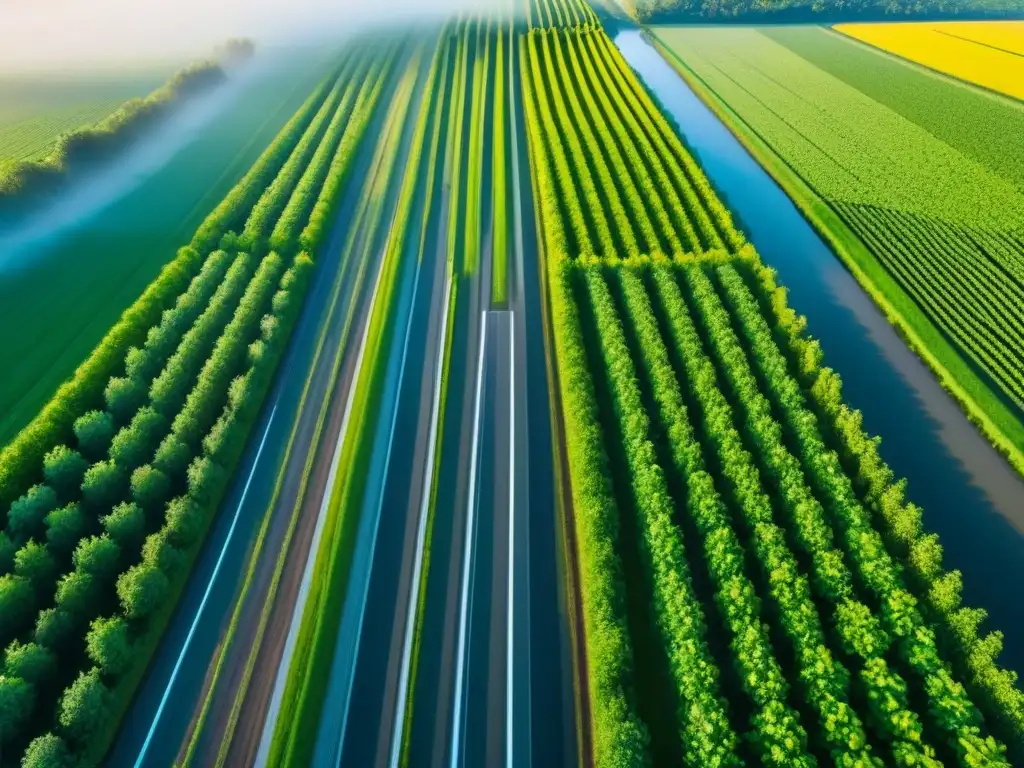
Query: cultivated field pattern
{"x": 943, "y": 214}
{"x": 470, "y": 428}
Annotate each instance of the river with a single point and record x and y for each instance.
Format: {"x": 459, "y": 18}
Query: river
{"x": 971, "y": 497}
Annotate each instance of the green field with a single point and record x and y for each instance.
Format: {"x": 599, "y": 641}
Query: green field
{"x": 756, "y": 589}
{"x": 102, "y": 547}
{"x": 34, "y": 111}
{"x": 59, "y": 296}
{"x": 926, "y": 172}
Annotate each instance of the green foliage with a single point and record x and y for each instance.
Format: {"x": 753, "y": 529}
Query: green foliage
{"x": 64, "y": 527}
{"x": 126, "y": 524}
{"x": 7, "y": 551}
{"x": 99, "y": 556}
{"x": 77, "y": 593}
{"x": 25, "y": 517}
{"x": 142, "y": 589}
{"x": 94, "y": 431}
{"x": 55, "y": 628}
{"x": 137, "y": 442}
{"x": 83, "y": 141}
{"x": 150, "y": 488}
{"x": 21, "y": 459}
{"x": 36, "y": 563}
{"x": 32, "y": 662}
{"x": 103, "y": 484}
{"x": 63, "y": 469}
{"x": 47, "y": 751}
{"x": 109, "y": 646}
{"x": 17, "y": 601}
{"x": 708, "y": 738}
{"x": 84, "y": 706}
{"x": 17, "y": 698}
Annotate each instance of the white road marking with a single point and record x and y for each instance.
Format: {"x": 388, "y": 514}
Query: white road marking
{"x": 421, "y": 536}
{"x": 460, "y": 664}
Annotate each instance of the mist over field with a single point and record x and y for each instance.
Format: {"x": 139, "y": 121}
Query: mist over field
{"x": 70, "y": 35}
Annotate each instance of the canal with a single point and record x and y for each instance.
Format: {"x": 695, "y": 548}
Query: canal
{"x": 971, "y": 497}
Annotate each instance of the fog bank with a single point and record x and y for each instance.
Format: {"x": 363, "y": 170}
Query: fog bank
{"x": 69, "y": 35}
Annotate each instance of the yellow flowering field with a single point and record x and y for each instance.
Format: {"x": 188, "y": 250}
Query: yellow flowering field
{"x": 987, "y": 53}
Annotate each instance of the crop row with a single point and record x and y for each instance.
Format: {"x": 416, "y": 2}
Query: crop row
{"x": 881, "y": 562}
{"x": 609, "y": 142}
{"x": 563, "y": 14}
{"x": 805, "y": 642}
{"x": 21, "y": 460}
{"x": 123, "y": 515}
{"x": 964, "y": 292}
{"x": 865, "y": 657}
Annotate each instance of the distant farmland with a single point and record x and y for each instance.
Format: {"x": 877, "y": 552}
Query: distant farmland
{"x": 34, "y": 111}
{"x": 926, "y": 173}
{"x": 989, "y": 54}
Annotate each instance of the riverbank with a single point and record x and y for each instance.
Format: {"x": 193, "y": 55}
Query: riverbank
{"x": 978, "y": 399}
{"x": 970, "y": 496}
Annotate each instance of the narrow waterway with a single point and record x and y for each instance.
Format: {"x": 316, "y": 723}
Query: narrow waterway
{"x": 970, "y": 495}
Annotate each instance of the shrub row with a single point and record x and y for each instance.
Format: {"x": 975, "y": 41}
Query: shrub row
{"x": 86, "y": 593}
{"x": 577, "y": 123}
{"x": 950, "y": 707}
{"x": 235, "y": 207}
{"x": 337, "y": 174}
{"x": 85, "y": 142}
{"x": 22, "y": 458}
{"x": 563, "y": 143}
{"x": 825, "y": 682}
{"x": 898, "y": 519}
{"x": 620, "y": 738}
{"x": 183, "y": 447}
{"x": 715, "y": 221}
{"x": 708, "y": 738}
{"x": 645, "y": 151}
{"x": 644, "y": 201}
{"x": 275, "y": 197}
{"x": 777, "y": 735}
{"x": 284, "y": 237}
{"x": 830, "y": 576}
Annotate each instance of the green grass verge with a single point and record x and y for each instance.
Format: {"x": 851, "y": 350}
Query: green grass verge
{"x": 980, "y": 402}
{"x": 499, "y": 184}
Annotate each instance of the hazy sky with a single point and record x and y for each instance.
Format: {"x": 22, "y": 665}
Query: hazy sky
{"x": 58, "y": 33}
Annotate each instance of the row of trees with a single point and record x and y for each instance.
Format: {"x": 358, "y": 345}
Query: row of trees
{"x": 707, "y": 735}
{"x": 825, "y": 681}
{"x": 806, "y": 519}
{"x": 692, "y": 188}
{"x": 179, "y": 436}
{"x": 625, "y": 157}
{"x": 561, "y": 13}
{"x": 950, "y": 707}
{"x": 268, "y": 208}
{"x": 320, "y": 217}
{"x": 21, "y": 461}
{"x": 354, "y": 77}
{"x": 643, "y": 194}
{"x": 776, "y": 732}
{"x": 899, "y": 520}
